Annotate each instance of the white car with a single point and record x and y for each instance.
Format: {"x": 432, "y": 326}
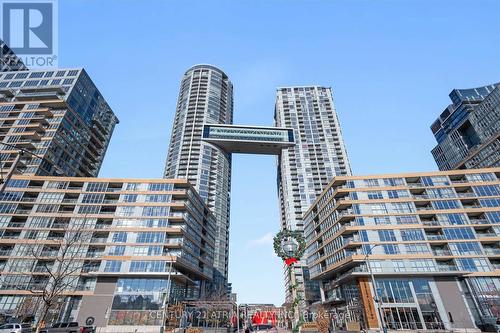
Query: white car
{"x": 15, "y": 328}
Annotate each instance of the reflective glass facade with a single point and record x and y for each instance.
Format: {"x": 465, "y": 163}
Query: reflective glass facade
{"x": 305, "y": 169}
{"x": 468, "y": 130}
{"x": 429, "y": 239}
{"x": 205, "y": 97}
{"x": 145, "y": 242}
{"x": 60, "y": 116}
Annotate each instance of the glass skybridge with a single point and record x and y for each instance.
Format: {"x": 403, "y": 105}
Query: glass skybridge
{"x": 248, "y": 139}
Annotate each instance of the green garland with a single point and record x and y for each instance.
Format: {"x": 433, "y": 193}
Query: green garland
{"x": 297, "y": 235}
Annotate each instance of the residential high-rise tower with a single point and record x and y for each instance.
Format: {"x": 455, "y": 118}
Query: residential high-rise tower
{"x": 9, "y": 61}
{"x": 206, "y": 97}
{"x": 58, "y": 115}
{"x": 306, "y": 169}
{"x": 468, "y": 131}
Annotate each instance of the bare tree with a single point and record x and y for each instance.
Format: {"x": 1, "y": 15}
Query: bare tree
{"x": 62, "y": 261}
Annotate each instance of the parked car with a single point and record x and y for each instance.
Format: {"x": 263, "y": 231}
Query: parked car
{"x": 15, "y": 328}
{"x": 71, "y": 327}
{"x": 264, "y": 328}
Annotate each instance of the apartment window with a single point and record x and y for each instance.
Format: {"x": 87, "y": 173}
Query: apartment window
{"x": 21, "y": 75}
{"x": 435, "y": 181}
{"x": 459, "y": 233}
{"x": 423, "y": 265}
{"x": 119, "y": 237}
{"x": 382, "y": 220}
{"x": 132, "y": 186}
{"x": 493, "y": 217}
{"x": 378, "y": 208}
{"x": 452, "y": 219}
{"x": 147, "y": 250}
{"x": 147, "y": 266}
{"x": 446, "y": 204}
{"x": 412, "y": 234}
{"x": 118, "y": 250}
{"x": 393, "y": 182}
{"x": 36, "y": 75}
{"x": 150, "y": 237}
{"x": 113, "y": 266}
{"x": 97, "y": 187}
{"x": 386, "y": 235}
{"x": 466, "y": 248}
{"x": 403, "y": 207}
{"x": 93, "y": 198}
{"x": 158, "y": 198}
{"x": 129, "y": 198}
{"x": 160, "y": 187}
{"x": 375, "y": 195}
{"x": 87, "y": 209}
{"x": 73, "y": 73}
{"x": 441, "y": 193}
{"x": 371, "y": 182}
{"x": 126, "y": 211}
{"x": 490, "y": 202}
{"x": 6, "y": 108}
{"x": 407, "y": 219}
{"x": 7, "y": 208}
{"x": 481, "y": 177}
{"x": 51, "y": 197}
{"x": 487, "y": 191}
{"x": 156, "y": 211}
{"x": 391, "y": 248}
{"x": 417, "y": 248}
{"x": 394, "y": 194}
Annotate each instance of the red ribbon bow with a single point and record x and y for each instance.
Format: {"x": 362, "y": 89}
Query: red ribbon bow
{"x": 290, "y": 261}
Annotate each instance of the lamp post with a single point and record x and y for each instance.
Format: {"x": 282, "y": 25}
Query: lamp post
{"x": 167, "y": 293}
{"x": 290, "y": 247}
{"x": 376, "y": 299}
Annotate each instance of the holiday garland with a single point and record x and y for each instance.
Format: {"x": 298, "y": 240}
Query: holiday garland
{"x": 289, "y": 261}
{"x": 297, "y": 236}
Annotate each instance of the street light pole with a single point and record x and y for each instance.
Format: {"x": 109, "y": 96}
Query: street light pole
{"x": 167, "y": 296}
{"x": 375, "y": 298}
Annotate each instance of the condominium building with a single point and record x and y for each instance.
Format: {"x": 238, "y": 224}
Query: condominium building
{"x": 141, "y": 244}
{"x": 58, "y": 115}
{"x": 468, "y": 130}
{"x": 9, "y": 61}
{"x": 305, "y": 169}
{"x": 431, "y": 240}
{"x": 205, "y": 97}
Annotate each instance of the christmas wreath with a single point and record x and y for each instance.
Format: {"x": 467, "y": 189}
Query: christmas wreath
{"x": 284, "y": 235}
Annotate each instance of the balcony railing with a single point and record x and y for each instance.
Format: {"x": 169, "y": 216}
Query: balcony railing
{"x": 488, "y": 234}
{"x": 466, "y": 195}
{"x": 494, "y": 252}
{"x": 442, "y": 252}
{"x": 447, "y": 268}
{"x": 436, "y": 237}
{"x": 99, "y": 239}
{"x": 479, "y": 221}
{"x": 431, "y": 223}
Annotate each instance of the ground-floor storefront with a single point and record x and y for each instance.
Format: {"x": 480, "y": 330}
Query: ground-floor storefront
{"x": 413, "y": 303}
